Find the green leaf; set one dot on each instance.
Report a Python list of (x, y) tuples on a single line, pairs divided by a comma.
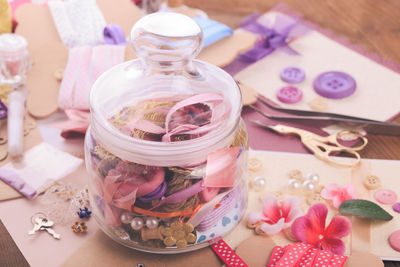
[(364, 208)]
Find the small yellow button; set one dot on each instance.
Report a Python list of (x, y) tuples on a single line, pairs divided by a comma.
[(59, 74), (254, 165), (371, 182), (314, 198)]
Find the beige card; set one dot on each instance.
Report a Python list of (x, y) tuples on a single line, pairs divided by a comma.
[(378, 88)]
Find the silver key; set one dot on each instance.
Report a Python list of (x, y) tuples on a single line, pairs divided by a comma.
[(37, 226), (43, 224)]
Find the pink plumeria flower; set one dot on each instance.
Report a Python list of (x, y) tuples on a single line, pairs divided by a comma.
[(275, 218), (310, 229), (338, 194)]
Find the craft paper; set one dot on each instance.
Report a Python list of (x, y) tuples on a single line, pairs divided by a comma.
[(319, 53), (37, 169)]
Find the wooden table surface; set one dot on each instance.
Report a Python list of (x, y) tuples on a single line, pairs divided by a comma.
[(374, 24)]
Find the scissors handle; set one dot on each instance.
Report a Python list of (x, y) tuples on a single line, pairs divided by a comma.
[(328, 153), (327, 148)]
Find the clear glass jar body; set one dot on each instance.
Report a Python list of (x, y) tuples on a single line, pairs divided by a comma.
[(141, 228), (166, 151)]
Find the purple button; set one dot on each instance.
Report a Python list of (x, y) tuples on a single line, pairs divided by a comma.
[(289, 94), (396, 207), (334, 84), (292, 75)]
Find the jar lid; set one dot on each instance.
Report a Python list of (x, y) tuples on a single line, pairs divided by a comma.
[(165, 99), (12, 44)]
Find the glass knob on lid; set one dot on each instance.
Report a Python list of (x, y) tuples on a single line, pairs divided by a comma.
[(166, 40)]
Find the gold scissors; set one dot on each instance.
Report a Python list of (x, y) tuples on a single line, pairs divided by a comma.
[(324, 147)]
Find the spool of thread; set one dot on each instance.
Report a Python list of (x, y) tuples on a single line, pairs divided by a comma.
[(15, 123), (148, 234)]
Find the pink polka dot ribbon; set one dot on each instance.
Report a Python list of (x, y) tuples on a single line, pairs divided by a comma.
[(225, 253), (300, 254)]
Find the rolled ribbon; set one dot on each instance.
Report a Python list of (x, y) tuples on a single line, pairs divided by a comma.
[(156, 194), (114, 35), (226, 204), (220, 111), (181, 195), (281, 31), (77, 123)]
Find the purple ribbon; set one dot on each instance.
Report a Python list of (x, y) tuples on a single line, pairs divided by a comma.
[(114, 35), (3, 110), (283, 30)]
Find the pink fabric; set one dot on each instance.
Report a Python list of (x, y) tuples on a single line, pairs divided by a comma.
[(85, 65), (77, 123), (221, 168)]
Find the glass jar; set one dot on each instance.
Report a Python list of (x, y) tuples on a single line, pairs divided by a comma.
[(166, 150), (14, 59)]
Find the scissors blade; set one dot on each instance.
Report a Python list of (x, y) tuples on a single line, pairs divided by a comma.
[(373, 127)]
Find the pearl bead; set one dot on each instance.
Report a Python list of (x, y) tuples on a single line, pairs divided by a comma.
[(294, 184), (309, 185), (258, 183), (151, 223), (313, 177), (137, 223), (126, 218)]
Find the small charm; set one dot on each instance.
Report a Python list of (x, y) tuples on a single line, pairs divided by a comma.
[(84, 213), (79, 227), (41, 223)]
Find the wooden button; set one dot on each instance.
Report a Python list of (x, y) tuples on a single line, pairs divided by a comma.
[(318, 104), (59, 74), (254, 164), (296, 174), (372, 182), (314, 198)]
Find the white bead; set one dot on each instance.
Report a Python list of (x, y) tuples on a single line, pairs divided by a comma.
[(137, 223), (258, 183), (294, 184), (309, 185), (313, 177), (151, 223), (126, 218)]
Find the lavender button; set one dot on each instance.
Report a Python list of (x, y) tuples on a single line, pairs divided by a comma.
[(334, 84), (156, 194), (292, 75), (289, 94)]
